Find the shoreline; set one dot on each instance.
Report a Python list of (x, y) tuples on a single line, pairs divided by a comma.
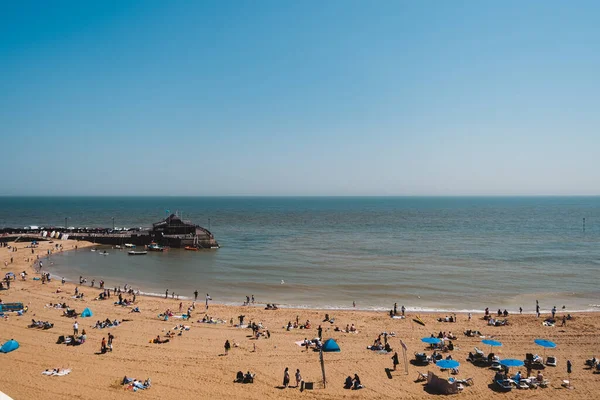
[(377, 309)]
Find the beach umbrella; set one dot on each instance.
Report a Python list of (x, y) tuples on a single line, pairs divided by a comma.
[(546, 344), (431, 340), (447, 364), (491, 343), (9, 346), (330, 346), (511, 362)]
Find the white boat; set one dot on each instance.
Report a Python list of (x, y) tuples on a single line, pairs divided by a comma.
[(103, 253), (137, 253), (117, 247), (130, 246), (93, 250)]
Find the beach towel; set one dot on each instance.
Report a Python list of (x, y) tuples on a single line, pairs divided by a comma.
[(61, 372), (398, 317)]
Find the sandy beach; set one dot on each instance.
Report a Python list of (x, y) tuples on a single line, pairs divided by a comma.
[(193, 365)]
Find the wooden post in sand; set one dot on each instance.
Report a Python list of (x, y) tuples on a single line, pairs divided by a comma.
[(404, 348), (322, 366)]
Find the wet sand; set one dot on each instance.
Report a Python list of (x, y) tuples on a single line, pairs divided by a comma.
[(193, 365)]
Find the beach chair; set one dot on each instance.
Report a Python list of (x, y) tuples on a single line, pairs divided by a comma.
[(551, 361), (523, 384), (422, 359), (421, 377), (466, 382), (504, 385)]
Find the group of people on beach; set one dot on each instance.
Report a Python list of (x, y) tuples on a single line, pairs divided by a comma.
[(286, 378)]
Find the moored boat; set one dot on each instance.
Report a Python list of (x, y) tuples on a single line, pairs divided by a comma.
[(191, 248), (130, 246), (137, 253), (155, 247)]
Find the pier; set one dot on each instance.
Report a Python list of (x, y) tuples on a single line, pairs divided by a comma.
[(170, 232)]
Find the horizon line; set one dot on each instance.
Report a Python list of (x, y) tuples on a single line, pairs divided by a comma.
[(304, 196)]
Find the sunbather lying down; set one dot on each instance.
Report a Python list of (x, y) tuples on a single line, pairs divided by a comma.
[(134, 384), (57, 372), (158, 340)]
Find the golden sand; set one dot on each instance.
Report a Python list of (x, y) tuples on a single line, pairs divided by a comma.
[(192, 366)]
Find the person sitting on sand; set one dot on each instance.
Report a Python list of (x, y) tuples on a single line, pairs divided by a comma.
[(326, 319), (505, 313), (356, 383), (348, 382), (539, 377), (517, 377), (239, 377)]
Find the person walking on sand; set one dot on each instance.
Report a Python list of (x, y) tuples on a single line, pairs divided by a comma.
[(298, 378), (180, 307), (195, 295), (403, 309), (166, 293), (395, 360), (207, 299), (227, 346), (320, 332), (75, 328), (286, 377), (110, 340)]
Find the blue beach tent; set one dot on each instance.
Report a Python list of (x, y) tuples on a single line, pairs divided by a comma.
[(86, 313), (330, 345), (9, 346)]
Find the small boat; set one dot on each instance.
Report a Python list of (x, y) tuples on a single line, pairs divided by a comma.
[(117, 247), (130, 246), (93, 250), (104, 253), (155, 247), (191, 248), (137, 253)]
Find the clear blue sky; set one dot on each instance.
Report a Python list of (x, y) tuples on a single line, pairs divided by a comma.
[(299, 97)]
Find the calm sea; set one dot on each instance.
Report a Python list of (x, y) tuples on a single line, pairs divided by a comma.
[(432, 253)]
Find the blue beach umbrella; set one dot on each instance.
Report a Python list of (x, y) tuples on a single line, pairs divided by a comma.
[(447, 364), (431, 340), (491, 343), (546, 344), (512, 362)]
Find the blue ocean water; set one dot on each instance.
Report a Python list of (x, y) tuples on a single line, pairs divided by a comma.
[(449, 253)]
